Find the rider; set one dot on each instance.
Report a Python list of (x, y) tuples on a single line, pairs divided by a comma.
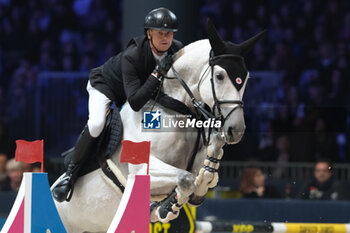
[(134, 75)]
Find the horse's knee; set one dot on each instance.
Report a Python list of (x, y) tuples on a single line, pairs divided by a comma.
[(186, 182)]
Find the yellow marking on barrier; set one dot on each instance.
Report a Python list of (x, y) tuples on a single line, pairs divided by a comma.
[(192, 211), (211, 194), (190, 218), (315, 228), (159, 227), (242, 228)]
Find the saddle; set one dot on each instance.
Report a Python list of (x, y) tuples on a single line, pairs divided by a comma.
[(108, 142)]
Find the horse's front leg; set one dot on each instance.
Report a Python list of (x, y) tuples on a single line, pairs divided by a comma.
[(171, 182), (208, 175)]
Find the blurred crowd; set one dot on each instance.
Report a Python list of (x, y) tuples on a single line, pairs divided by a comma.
[(308, 41), (55, 35), (254, 182), (11, 173), (306, 116), (322, 185)]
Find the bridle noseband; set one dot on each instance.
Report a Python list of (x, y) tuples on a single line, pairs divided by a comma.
[(217, 102)]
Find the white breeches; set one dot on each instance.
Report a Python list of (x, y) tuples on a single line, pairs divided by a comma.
[(98, 109)]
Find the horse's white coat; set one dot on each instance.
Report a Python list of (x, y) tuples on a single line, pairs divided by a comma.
[(95, 202)]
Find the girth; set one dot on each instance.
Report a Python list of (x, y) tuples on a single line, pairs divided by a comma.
[(109, 173)]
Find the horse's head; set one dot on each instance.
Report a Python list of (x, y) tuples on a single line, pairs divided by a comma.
[(228, 77)]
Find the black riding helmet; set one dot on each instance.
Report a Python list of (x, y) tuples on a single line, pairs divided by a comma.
[(161, 19)]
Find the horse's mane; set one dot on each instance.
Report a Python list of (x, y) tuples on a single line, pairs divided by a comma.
[(192, 47), (191, 57)]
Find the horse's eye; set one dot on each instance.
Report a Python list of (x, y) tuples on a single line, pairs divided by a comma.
[(219, 76)]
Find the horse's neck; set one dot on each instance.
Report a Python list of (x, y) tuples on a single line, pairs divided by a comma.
[(190, 66)]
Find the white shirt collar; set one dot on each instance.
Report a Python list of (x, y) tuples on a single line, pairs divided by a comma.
[(157, 57)]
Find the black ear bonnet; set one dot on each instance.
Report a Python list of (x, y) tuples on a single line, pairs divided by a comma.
[(230, 56)]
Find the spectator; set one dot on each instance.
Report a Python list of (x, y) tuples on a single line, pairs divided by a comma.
[(323, 185), (253, 185), (15, 175)]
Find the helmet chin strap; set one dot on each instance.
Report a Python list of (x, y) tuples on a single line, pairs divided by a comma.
[(155, 48)]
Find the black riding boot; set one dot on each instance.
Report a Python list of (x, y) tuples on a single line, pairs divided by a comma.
[(83, 148)]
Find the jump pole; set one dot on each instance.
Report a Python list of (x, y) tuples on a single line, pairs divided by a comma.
[(273, 227)]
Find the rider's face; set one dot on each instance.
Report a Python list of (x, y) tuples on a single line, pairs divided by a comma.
[(161, 39)]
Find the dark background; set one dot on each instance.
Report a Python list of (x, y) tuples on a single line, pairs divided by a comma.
[(296, 110)]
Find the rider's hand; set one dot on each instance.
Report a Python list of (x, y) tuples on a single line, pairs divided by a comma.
[(164, 65)]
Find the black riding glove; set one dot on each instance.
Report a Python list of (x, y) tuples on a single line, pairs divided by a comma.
[(164, 65)]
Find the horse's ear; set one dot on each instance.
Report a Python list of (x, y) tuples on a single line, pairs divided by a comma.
[(247, 45), (215, 40)]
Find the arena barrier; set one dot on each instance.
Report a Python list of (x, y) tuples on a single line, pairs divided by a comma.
[(34, 209), (133, 212), (227, 226)]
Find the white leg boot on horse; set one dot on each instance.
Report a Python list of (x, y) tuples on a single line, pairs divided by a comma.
[(173, 183), (169, 209)]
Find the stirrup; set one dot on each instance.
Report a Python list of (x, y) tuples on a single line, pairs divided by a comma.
[(70, 194), (64, 182)]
